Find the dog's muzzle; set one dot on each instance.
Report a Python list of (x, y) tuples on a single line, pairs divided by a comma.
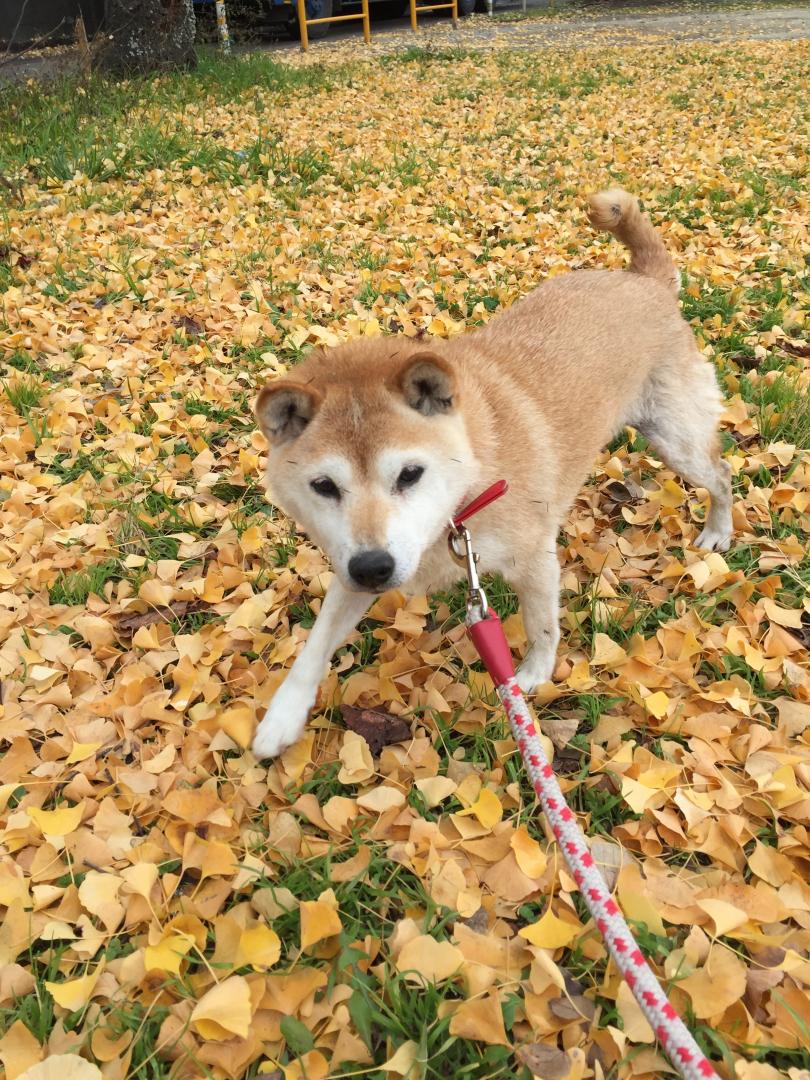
[(371, 570)]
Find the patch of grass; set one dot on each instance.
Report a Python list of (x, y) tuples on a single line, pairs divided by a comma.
[(783, 408), (500, 595), (101, 129), (139, 534), (69, 468), (196, 406), (25, 394), (428, 54), (74, 587), (710, 301), (21, 360)]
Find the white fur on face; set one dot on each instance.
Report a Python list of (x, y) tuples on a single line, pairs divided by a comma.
[(419, 514), (407, 522)]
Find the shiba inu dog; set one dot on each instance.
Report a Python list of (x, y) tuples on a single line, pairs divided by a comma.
[(374, 445)]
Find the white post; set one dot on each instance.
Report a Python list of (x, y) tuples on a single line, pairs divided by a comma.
[(222, 23)]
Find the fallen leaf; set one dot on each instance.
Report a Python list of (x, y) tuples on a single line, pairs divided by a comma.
[(59, 822), (544, 1061), (62, 1067), (319, 919), (74, 994), (432, 961), (481, 1019), (549, 932), (378, 728), (487, 809), (225, 1010)]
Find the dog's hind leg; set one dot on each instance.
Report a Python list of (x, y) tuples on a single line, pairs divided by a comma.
[(538, 589), (680, 420), (285, 720)]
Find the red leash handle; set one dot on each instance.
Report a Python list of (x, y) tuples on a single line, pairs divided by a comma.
[(493, 492), (490, 641)]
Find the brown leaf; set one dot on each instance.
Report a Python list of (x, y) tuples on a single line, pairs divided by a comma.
[(560, 729), (795, 348), (128, 624), (479, 922), (572, 1008), (545, 1061), (191, 326), (747, 361), (377, 728)]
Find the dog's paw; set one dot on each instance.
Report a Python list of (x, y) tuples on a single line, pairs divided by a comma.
[(284, 722), (530, 676), (714, 540)]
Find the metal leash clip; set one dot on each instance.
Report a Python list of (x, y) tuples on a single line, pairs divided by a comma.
[(459, 541)]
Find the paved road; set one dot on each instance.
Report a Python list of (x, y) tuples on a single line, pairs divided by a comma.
[(617, 27)]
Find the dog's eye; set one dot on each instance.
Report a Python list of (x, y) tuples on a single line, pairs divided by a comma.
[(326, 487), (409, 476)]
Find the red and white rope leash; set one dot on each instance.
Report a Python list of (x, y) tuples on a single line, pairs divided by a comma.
[(487, 634)]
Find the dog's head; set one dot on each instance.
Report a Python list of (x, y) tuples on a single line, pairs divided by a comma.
[(368, 449)]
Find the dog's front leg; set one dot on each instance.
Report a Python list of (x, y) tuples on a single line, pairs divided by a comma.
[(285, 720), (538, 590)]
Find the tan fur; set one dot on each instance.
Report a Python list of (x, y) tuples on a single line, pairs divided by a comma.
[(619, 213), (536, 394)]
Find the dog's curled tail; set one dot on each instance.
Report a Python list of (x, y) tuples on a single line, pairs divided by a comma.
[(619, 213)]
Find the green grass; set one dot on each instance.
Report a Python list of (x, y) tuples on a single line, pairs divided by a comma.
[(783, 409), (24, 394), (51, 131), (73, 588)]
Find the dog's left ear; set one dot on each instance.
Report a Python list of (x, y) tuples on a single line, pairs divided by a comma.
[(428, 384), (284, 409)]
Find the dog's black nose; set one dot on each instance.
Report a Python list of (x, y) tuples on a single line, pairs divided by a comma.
[(371, 569)]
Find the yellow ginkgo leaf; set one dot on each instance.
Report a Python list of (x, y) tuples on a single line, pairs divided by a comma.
[(402, 1060), (62, 1067), (487, 809), (727, 917), (529, 855), (657, 704), (549, 932), (98, 894), (169, 953), (480, 1018), (75, 993), (59, 822), (717, 985), (19, 1050), (82, 751), (238, 721), (140, 878), (635, 901), (319, 919), (260, 946), (431, 960), (310, 1066), (224, 1011), (382, 798)]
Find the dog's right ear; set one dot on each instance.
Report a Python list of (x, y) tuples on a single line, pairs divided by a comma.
[(284, 409), (428, 384)]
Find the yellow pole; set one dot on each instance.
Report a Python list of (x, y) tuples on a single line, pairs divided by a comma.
[(454, 12), (413, 15), (366, 23), (302, 24)]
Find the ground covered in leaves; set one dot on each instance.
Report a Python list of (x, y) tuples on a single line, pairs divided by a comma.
[(171, 906)]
